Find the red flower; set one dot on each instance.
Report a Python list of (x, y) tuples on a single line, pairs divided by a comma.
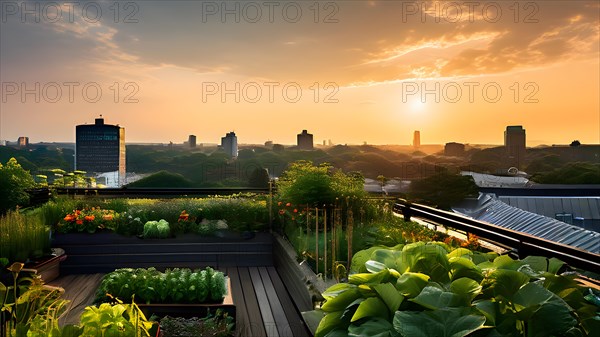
[(89, 218), (281, 212), (79, 222), (288, 204), (295, 210)]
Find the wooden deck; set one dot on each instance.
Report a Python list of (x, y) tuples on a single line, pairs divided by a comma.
[(263, 305)]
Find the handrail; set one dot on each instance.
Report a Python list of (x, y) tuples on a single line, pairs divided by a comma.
[(522, 243), (137, 191)]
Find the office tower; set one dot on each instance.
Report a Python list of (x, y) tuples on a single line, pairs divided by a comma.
[(514, 142), (417, 139), (305, 140), (229, 144), (100, 148), (192, 141)]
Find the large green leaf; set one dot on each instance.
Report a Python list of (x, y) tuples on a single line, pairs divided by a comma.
[(374, 327), (341, 300), (466, 288), (368, 278), (390, 295), (460, 252), (330, 322), (463, 267), (386, 256), (506, 283), (447, 322), (429, 259), (337, 289), (410, 284), (375, 266), (545, 312), (436, 298), (371, 307), (360, 257)]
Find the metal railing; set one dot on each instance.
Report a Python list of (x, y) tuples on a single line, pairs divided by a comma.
[(520, 243)]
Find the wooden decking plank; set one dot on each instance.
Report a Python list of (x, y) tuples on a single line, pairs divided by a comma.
[(294, 318), (255, 323), (263, 303), (283, 325), (80, 290), (242, 320)]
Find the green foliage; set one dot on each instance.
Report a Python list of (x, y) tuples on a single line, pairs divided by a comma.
[(306, 184), (14, 181), (156, 229), (173, 286), (23, 236), (455, 189), (162, 179), (571, 173), (431, 289), (219, 325), (115, 320)]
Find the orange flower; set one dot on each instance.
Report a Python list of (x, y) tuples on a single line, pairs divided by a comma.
[(282, 212), (293, 218), (279, 203), (89, 218), (79, 222), (69, 217), (288, 204), (107, 217)]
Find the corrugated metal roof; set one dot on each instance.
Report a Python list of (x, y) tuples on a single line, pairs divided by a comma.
[(585, 207), (491, 209)]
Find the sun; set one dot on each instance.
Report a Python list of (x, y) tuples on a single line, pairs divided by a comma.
[(417, 105)]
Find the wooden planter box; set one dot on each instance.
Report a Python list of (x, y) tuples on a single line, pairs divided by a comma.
[(49, 268), (191, 310)]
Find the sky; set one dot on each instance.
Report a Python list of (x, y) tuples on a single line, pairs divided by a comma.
[(347, 71)]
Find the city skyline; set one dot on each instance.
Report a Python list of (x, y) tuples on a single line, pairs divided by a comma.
[(379, 67)]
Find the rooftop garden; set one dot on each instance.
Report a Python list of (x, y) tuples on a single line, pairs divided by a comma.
[(387, 276)]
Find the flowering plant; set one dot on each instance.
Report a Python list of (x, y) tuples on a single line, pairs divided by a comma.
[(87, 220)]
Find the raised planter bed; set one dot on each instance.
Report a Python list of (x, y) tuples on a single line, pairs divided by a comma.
[(191, 310), (107, 251)]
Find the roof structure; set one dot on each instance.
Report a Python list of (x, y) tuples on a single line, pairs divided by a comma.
[(490, 209)]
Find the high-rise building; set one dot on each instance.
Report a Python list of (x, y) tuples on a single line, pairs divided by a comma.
[(23, 141), (305, 141), (229, 144), (454, 149), (417, 139), (514, 142), (100, 148), (192, 141)]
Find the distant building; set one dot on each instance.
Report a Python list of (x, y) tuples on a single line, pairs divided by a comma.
[(269, 144), (100, 148), (191, 141), (417, 139), (454, 149), (305, 141), (23, 141), (324, 142), (514, 142), (229, 144)]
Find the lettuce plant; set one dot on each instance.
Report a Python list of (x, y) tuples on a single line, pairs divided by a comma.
[(157, 229), (178, 285)]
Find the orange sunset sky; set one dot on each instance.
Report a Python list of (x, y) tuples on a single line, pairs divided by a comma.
[(456, 71)]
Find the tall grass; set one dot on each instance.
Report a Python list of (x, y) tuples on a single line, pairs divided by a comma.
[(23, 236)]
